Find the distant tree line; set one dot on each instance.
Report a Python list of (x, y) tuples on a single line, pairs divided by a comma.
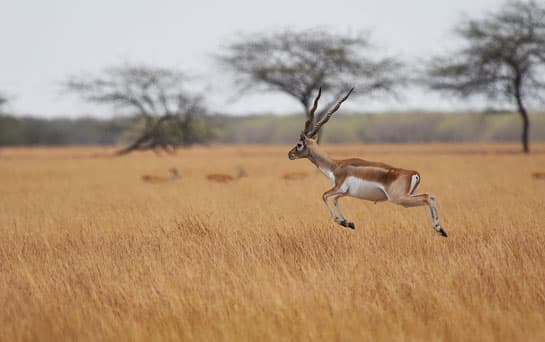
[(272, 129), (20, 131)]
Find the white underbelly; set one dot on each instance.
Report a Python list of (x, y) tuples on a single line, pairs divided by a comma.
[(363, 189)]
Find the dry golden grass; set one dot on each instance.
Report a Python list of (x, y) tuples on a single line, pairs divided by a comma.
[(298, 175), (90, 252)]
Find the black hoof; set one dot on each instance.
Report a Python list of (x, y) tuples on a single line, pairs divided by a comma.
[(442, 232), (347, 224)]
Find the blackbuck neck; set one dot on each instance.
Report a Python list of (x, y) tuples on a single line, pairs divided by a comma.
[(322, 162)]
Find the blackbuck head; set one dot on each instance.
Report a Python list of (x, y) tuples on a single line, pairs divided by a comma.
[(307, 139)]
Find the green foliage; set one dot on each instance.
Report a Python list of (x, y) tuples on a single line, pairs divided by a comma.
[(12, 131), (383, 128), (83, 131)]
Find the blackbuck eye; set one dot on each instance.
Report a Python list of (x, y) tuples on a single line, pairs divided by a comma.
[(299, 146)]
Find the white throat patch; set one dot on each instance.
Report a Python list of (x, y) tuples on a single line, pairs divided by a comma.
[(328, 174)]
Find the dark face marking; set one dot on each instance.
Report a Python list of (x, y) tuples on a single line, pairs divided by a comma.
[(299, 150)]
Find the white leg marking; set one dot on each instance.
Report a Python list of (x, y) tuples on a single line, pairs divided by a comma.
[(336, 202), (415, 179), (331, 211), (433, 213)]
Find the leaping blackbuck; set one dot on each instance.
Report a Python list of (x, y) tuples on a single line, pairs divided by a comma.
[(359, 178)]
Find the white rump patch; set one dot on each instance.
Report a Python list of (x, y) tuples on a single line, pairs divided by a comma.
[(364, 189), (415, 179)]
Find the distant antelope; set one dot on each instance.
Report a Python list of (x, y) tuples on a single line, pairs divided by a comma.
[(225, 178), (538, 175), (359, 178), (294, 175), (174, 174)]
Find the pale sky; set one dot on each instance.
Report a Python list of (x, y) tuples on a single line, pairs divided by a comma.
[(44, 42)]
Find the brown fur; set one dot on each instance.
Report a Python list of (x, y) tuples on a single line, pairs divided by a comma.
[(396, 179)]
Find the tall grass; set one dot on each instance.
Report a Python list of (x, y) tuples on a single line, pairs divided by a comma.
[(90, 252)]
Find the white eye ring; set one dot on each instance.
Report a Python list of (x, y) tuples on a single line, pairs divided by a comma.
[(299, 146)]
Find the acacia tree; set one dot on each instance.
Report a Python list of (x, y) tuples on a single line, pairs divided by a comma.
[(502, 58), (155, 95), (298, 63)]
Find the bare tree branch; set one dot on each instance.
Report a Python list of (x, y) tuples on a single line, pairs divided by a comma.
[(502, 58), (156, 95), (298, 63)]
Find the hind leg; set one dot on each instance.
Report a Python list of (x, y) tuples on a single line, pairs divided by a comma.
[(421, 200), (434, 216)]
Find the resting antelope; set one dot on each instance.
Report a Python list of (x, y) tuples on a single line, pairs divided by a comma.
[(294, 176), (359, 178), (225, 178), (174, 174)]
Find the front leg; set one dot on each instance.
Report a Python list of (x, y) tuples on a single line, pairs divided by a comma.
[(343, 222), (336, 193)]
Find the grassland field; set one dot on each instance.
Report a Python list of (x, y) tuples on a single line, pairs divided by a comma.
[(90, 252)]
